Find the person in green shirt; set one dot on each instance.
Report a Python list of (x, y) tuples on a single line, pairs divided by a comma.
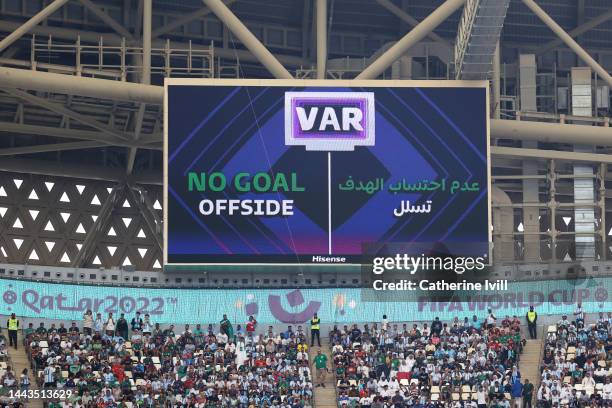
[(320, 362), (395, 362), (41, 329), (28, 330), (340, 370), (226, 327), (527, 394), (74, 368)]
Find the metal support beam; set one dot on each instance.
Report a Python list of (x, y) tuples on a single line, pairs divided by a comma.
[(569, 41), (82, 86), (321, 38), (101, 224), (305, 30), (108, 20), (551, 132), (551, 177), (50, 147), (408, 19), (9, 53), (497, 82), (581, 29), (580, 8), (248, 39), (186, 19), (147, 21), (521, 153), (414, 36), (28, 25), (138, 23), (52, 106), (116, 40), (152, 141), (603, 233), (78, 171), (137, 131), (148, 213), (106, 89)]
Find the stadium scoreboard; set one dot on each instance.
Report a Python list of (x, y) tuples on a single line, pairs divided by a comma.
[(315, 172)]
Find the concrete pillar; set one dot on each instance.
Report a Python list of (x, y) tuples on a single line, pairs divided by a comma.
[(321, 16), (147, 20), (584, 188), (402, 68), (503, 224), (497, 82), (531, 215)]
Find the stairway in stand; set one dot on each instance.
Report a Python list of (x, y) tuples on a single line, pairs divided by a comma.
[(19, 361), (529, 365), (324, 397)]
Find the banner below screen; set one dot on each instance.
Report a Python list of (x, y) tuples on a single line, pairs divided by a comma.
[(69, 302)]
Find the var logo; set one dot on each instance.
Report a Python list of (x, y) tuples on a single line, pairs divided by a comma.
[(329, 121), (327, 118)]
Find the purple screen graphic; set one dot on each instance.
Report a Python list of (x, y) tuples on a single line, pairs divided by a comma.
[(321, 103)]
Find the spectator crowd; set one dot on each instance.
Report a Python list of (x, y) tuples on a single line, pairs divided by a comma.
[(575, 367), (469, 363), (112, 363)]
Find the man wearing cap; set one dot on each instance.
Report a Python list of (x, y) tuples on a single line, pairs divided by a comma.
[(315, 330), (13, 326), (532, 318)]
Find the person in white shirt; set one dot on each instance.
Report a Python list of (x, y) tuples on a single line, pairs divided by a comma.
[(110, 325), (481, 397), (543, 394), (365, 401), (394, 385), (566, 392), (363, 369), (241, 355), (588, 381), (385, 323), (87, 322), (491, 319), (579, 314), (147, 326), (387, 392), (470, 404), (222, 338), (564, 321), (607, 390), (382, 383), (49, 376), (98, 323)]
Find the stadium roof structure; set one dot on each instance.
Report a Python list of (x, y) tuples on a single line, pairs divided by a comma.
[(81, 95)]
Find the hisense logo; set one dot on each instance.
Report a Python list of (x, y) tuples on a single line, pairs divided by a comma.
[(329, 121)]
